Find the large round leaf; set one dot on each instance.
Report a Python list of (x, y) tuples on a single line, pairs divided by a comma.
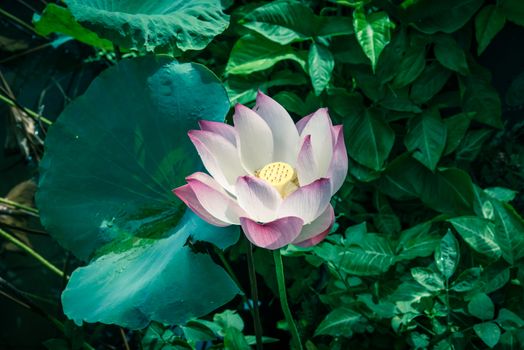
[(111, 161), (151, 25)]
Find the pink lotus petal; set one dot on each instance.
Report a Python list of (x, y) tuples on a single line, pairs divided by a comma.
[(186, 194), (308, 202), (255, 140), (301, 124), (285, 135), (319, 127), (321, 224), (258, 198), (274, 234), (222, 129), (216, 202), (338, 168), (307, 170), (314, 240), (219, 156)]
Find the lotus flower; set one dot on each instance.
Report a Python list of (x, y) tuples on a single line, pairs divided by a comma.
[(270, 176)]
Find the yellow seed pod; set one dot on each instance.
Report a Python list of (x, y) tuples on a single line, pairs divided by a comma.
[(281, 176)]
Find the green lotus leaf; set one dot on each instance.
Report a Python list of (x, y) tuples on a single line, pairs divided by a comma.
[(111, 161), (163, 25)]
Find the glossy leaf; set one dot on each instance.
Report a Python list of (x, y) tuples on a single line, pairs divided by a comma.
[(478, 233), (373, 33), (253, 53), (57, 19), (159, 26), (369, 139), (110, 164), (411, 66), (447, 255), (426, 138), (320, 66), (468, 280), (456, 127), (509, 231), (488, 22), (417, 241), (428, 278)]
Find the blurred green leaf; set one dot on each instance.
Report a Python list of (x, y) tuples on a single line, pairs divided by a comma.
[(488, 22), (513, 10), (411, 66), (57, 19), (340, 322), (252, 53), (417, 241), (450, 54), (515, 93), (481, 307), (320, 66), (160, 26), (456, 127), (426, 138), (480, 97), (373, 33), (489, 332)]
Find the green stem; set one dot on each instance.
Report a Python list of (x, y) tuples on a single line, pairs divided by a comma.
[(18, 20), (279, 270), (254, 295), (30, 250), (32, 114), (18, 205)]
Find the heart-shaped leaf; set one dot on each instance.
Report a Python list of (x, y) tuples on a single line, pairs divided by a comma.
[(111, 161)]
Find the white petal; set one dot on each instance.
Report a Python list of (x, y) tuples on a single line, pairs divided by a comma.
[(308, 202), (223, 129), (319, 127), (319, 225), (307, 170), (255, 140), (258, 198), (219, 156), (285, 134)]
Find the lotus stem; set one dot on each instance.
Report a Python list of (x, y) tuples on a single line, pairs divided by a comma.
[(279, 270), (254, 296)]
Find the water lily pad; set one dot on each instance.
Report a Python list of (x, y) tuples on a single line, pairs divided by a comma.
[(111, 161), (153, 25)]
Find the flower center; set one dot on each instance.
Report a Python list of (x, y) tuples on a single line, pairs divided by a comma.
[(281, 176)]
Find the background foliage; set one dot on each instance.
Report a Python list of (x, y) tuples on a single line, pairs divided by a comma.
[(428, 244)]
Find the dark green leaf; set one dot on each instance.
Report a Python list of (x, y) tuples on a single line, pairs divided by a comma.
[(472, 143), (467, 280), (480, 97), (450, 54), (235, 340), (428, 278), (456, 127), (416, 242), (447, 255), (478, 233), (481, 307), (373, 33), (120, 201), (369, 139), (346, 49), (429, 83), (320, 66), (411, 66), (134, 24), (488, 22), (253, 53), (57, 19), (426, 138), (508, 320), (340, 322), (513, 10), (515, 93), (443, 16), (399, 101), (489, 332)]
